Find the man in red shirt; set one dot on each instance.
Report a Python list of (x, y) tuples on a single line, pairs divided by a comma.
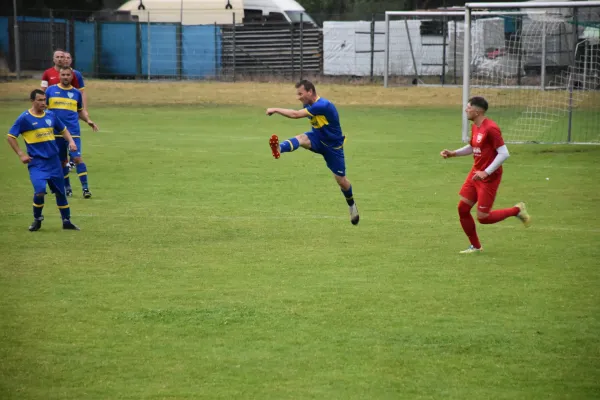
[(481, 185), (52, 75)]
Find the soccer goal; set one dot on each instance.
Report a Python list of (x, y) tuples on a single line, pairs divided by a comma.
[(537, 63)]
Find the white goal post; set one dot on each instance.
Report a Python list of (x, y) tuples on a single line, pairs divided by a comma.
[(537, 63)]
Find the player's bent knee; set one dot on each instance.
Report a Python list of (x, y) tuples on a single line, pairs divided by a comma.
[(40, 194), (482, 217), (77, 160), (464, 208)]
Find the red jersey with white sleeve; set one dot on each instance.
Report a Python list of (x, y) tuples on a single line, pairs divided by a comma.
[(485, 139), (52, 77)]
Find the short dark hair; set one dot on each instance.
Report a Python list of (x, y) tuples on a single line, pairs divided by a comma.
[(308, 86), (35, 92), (480, 102)]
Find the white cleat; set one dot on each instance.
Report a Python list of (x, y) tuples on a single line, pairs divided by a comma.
[(472, 249), (523, 214), (354, 217)]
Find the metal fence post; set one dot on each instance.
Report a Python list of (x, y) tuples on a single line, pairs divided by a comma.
[(292, 47), (16, 41), (98, 48), (444, 43), (301, 47), (138, 50), (216, 53), (179, 46), (52, 43), (372, 44), (233, 47)]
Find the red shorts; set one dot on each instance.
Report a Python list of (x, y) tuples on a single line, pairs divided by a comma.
[(481, 192)]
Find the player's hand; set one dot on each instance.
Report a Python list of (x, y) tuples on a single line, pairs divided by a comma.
[(72, 146), (93, 125), (270, 111), (480, 175), (25, 159), (446, 153)]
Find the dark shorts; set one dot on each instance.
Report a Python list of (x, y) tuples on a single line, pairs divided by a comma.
[(63, 148), (44, 172), (334, 157)]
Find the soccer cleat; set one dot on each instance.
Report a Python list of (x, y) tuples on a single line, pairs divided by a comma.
[(354, 217), (523, 215), (69, 192), (71, 165), (472, 249), (67, 224), (274, 143), (36, 224), (87, 194)]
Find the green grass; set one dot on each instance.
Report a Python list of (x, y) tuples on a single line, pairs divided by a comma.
[(206, 269)]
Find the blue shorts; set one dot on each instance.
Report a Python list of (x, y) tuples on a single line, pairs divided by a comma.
[(63, 148), (46, 171), (333, 157)]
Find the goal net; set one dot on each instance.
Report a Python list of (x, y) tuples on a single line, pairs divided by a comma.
[(539, 68)]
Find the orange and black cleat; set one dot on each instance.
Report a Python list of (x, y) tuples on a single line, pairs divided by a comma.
[(274, 143)]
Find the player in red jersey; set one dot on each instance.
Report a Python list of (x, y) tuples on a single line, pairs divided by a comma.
[(52, 75), (481, 185)]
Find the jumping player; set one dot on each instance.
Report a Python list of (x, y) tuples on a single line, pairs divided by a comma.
[(326, 137)]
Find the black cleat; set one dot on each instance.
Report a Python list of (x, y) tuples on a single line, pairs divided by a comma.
[(67, 224), (87, 194), (36, 224), (69, 192)]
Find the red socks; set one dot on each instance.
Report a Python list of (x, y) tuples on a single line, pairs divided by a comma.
[(468, 223), (499, 215)]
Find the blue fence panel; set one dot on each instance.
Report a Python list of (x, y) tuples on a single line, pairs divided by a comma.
[(159, 50), (201, 51), (4, 35), (85, 46), (119, 53)]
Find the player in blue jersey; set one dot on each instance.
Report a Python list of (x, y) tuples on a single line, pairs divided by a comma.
[(38, 128), (77, 77), (326, 137), (66, 102)]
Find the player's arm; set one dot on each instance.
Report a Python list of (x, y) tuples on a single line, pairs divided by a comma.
[(61, 129), (12, 141), (13, 134), (82, 89), (293, 114), (83, 115), (463, 151), (44, 84), (501, 156)]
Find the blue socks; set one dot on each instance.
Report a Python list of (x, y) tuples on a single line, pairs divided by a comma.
[(66, 174), (38, 206), (348, 196), (63, 206), (82, 173), (289, 145)]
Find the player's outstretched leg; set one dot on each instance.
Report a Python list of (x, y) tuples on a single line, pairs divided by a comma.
[(274, 143), (38, 206), (498, 215), (468, 225)]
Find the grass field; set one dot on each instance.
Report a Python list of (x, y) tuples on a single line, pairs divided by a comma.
[(205, 269)]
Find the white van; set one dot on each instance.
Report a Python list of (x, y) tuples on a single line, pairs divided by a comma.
[(205, 12)]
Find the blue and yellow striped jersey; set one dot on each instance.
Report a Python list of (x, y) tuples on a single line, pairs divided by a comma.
[(38, 132), (325, 121), (66, 102)]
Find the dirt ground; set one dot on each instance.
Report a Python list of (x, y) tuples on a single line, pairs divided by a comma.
[(117, 93)]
